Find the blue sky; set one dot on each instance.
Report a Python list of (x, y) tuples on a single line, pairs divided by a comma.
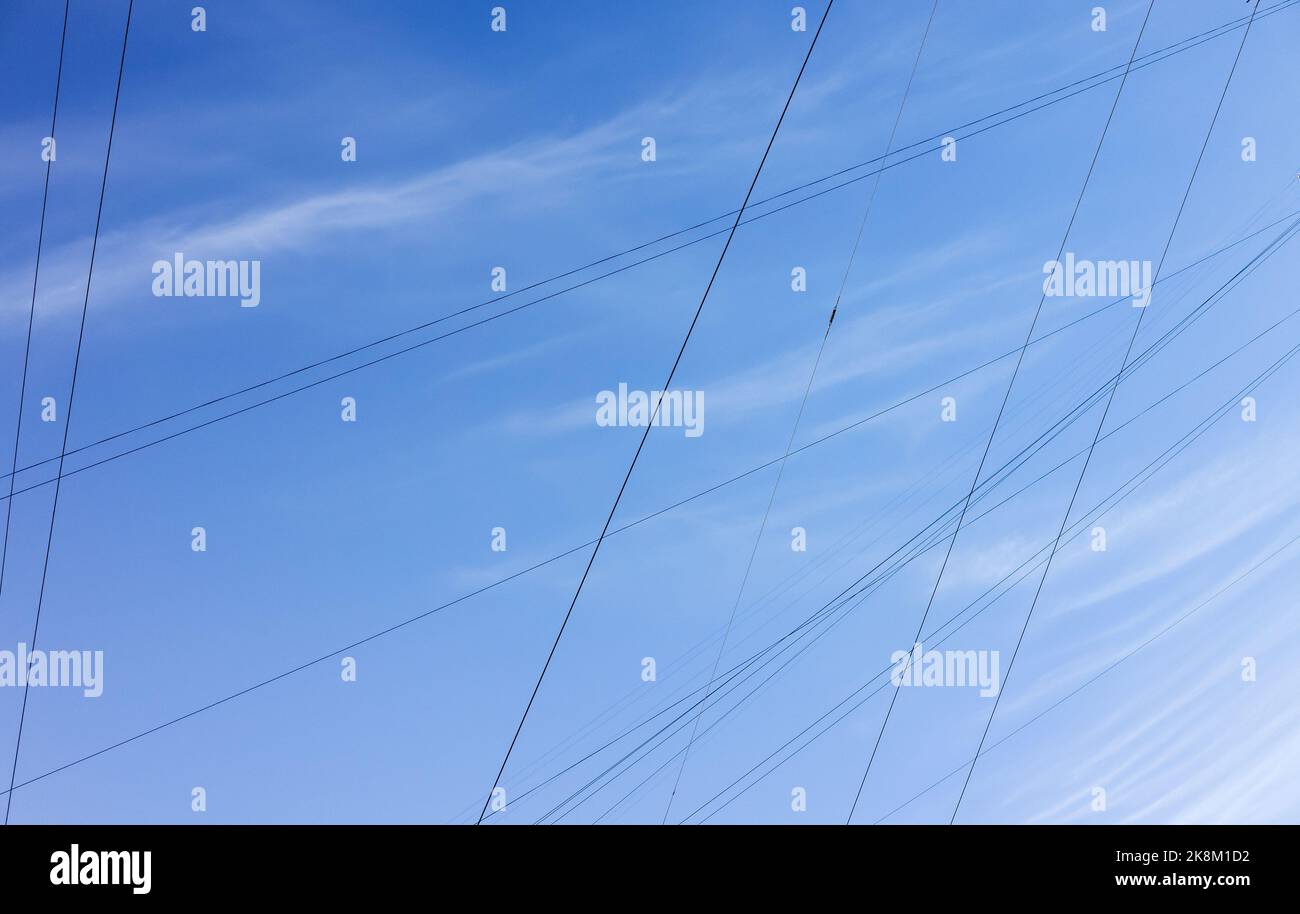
[(522, 149)]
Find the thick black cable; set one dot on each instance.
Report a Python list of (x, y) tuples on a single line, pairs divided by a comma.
[(803, 403), (31, 313), (667, 385)]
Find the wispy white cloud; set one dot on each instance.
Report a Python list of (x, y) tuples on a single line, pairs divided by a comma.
[(309, 222)]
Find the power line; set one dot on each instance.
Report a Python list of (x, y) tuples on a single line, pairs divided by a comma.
[(1078, 87), (1150, 469), (1007, 396), (807, 568), (803, 403), (857, 597), (31, 313), (645, 518), (860, 595), (72, 391), (1168, 455), (667, 385), (850, 427), (1106, 411), (1175, 448), (65, 452)]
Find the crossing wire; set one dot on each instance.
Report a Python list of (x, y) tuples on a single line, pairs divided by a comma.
[(1106, 411), (803, 404), (1005, 397), (667, 385), (1073, 89), (67, 421), (31, 313)]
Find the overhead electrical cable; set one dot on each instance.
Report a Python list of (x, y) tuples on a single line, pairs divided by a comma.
[(667, 385), (1076, 88), (67, 418), (1137, 325), (803, 403), (31, 313), (1015, 372)]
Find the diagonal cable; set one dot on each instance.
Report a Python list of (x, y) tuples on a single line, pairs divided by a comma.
[(1007, 396), (803, 403), (31, 313), (67, 422), (1102, 421), (667, 385)]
